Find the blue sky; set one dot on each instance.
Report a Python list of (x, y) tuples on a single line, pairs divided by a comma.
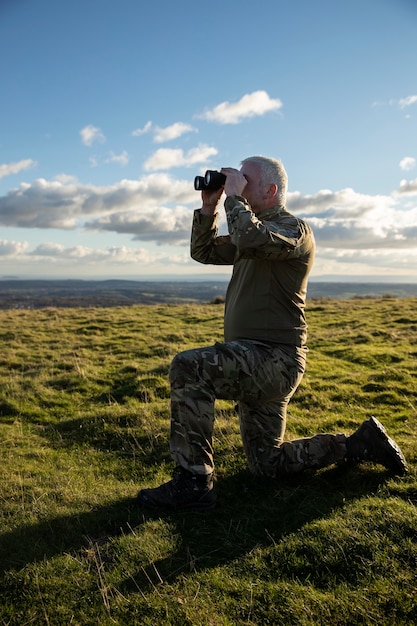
[(109, 109)]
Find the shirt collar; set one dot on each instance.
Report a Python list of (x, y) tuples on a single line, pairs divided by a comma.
[(270, 213)]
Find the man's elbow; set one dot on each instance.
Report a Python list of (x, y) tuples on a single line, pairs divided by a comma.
[(197, 255)]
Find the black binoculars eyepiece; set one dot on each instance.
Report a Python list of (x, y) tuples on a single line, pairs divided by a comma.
[(211, 180)]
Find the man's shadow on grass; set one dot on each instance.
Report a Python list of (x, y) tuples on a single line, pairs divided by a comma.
[(250, 512), (253, 512)]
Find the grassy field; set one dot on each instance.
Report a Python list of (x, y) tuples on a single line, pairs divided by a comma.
[(84, 420)]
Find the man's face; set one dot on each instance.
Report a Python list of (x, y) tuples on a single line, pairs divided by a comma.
[(254, 192)]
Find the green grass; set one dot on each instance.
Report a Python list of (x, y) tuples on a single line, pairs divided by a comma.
[(84, 422)]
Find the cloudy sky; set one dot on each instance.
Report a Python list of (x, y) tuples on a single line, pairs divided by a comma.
[(110, 108)]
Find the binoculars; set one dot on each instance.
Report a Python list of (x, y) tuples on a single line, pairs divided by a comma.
[(211, 180)]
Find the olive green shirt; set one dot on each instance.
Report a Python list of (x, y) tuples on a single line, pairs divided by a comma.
[(272, 254)]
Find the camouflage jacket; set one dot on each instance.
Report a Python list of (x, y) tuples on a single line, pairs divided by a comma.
[(272, 254)]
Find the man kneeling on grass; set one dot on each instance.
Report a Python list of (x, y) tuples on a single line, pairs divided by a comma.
[(262, 359)]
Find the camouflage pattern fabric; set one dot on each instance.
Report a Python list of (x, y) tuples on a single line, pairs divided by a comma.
[(262, 379)]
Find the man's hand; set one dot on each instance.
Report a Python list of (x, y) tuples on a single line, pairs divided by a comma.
[(235, 181), (210, 200), (234, 186)]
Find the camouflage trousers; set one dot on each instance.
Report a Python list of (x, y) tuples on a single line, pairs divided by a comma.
[(261, 379)]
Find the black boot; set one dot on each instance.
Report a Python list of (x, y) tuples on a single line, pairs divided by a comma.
[(371, 443), (185, 490)]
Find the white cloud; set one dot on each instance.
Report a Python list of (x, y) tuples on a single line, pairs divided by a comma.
[(346, 202), (158, 209), (123, 254), (6, 169), (348, 220), (167, 158), (122, 159), (142, 131), (250, 105), (53, 258), (408, 101), (384, 263), (91, 134), (66, 204), (65, 178), (166, 225), (172, 132), (407, 163), (48, 255), (402, 103), (12, 248), (408, 187)]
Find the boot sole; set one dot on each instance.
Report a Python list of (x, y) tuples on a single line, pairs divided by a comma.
[(390, 446)]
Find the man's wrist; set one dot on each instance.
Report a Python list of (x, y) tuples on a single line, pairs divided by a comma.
[(208, 209)]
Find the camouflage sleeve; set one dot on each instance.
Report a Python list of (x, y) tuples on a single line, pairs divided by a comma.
[(279, 239), (206, 245)]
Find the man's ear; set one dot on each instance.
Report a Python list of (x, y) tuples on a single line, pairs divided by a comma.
[(272, 190)]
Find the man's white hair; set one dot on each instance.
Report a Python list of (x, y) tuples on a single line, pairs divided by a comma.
[(272, 172)]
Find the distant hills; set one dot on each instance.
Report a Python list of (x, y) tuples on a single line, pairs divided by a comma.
[(35, 294)]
